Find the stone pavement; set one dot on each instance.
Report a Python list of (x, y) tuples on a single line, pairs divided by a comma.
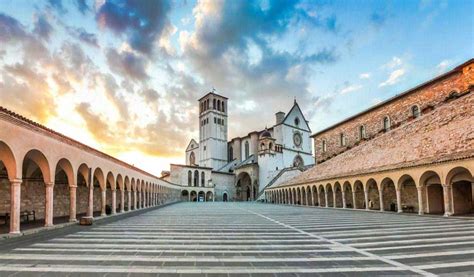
[(248, 239)]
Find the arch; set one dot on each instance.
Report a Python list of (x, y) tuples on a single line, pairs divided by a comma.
[(362, 132), (408, 194), (298, 161), (433, 196), (223, 107), (315, 195), (346, 186), (196, 178), (190, 178), (322, 198), (386, 123), (33, 161), (209, 196), (63, 182), (225, 197), (82, 190), (99, 177), (9, 161), (330, 195), (303, 196), (298, 196), (247, 150), (201, 196), (338, 195), (359, 198), (309, 197), (214, 104), (185, 195), (193, 196), (373, 194), (461, 181), (415, 111), (244, 187), (389, 192)]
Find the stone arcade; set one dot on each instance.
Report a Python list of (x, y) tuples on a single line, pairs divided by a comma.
[(411, 153)]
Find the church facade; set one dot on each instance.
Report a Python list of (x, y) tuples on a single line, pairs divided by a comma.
[(238, 169)]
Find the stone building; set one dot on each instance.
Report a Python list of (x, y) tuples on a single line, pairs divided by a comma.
[(240, 168), (411, 153)]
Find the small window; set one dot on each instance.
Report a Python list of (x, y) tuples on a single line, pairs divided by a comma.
[(342, 139), (297, 121), (270, 146), (386, 123), (214, 104), (215, 120), (262, 146), (247, 150), (223, 109), (190, 178), (362, 133), (415, 111), (218, 105), (323, 145)]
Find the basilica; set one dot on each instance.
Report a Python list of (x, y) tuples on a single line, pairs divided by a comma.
[(240, 168)]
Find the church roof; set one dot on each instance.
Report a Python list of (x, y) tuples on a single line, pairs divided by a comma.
[(212, 93)]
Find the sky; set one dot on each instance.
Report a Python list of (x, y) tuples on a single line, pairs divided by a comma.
[(124, 76)]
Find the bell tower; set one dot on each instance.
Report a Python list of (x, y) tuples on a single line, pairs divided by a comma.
[(213, 130)]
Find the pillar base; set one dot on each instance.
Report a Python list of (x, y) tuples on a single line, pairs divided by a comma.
[(447, 214), (48, 225), (72, 220), (15, 233), (399, 211), (104, 214)]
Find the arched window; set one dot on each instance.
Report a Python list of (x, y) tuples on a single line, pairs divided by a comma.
[(203, 179), (342, 139), (190, 177), (214, 104), (270, 146), (207, 104), (192, 159), (298, 161), (196, 178), (247, 150), (223, 108), (362, 133), (297, 121), (415, 111), (386, 123), (323, 145), (231, 154), (218, 105), (262, 146)]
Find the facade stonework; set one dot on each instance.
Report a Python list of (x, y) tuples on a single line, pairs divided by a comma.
[(423, 164)]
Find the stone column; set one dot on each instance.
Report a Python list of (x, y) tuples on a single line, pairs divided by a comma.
[(139, 205), (189, 196), (381, 199), (130, 201), (103, 202), (344, 205), (122, 200), (448, 205), (135, 200), (366, 198), (72, 203), (326, 197), (48, 210), (90, 207), (114, 201), (15, 205), (420, 200), (334, 198), (354, 198), (399, 200)]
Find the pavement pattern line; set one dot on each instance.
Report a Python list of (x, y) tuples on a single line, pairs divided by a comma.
[(363, 252)]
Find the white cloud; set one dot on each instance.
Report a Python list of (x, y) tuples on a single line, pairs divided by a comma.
[(443, 65), (350, 88), (393, 78), (394, 62), (364, 75)]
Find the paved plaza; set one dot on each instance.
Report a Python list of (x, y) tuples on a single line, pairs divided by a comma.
[(247, 239)]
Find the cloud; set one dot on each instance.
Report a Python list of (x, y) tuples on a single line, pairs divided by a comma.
[(42, 27), (57, 5), (84, 36), (82, 6), (443, 66), (350, 88), (394, 62), (127, 64), (393, 78), (141, 22), (364, 76)]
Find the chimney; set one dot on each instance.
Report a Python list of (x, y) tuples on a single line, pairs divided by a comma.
[(279, 117)]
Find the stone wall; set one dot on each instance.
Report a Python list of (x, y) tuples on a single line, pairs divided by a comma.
[(399, 111)]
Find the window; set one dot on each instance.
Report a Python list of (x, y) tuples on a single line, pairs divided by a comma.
[(214, 104), (247, 150), (297, 121), (298, 161), (270, 146), (190, 177), (196, 178), (415, 111), (203, 179), (215, 120), (262, 146), (386, 123), (342, 139), (362, 133), (323, 145), (218, 105), (222, 108), (231, 154)]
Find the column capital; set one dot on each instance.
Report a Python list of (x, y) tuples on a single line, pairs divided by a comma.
[(16, 182), (71, 187), (49, 184)]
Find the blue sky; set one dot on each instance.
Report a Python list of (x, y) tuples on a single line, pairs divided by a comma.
[(124, 76)]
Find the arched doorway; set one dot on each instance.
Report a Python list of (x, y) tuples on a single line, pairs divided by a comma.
[(193, 196), (389, 195), (322, 196), (185, 196), (338, 193), (62, 207), (209, 196), (330, 195), (224, 197), (373, 193), (359, 198), (408, 194), (433, 197), (348, 195), (244, 187), (315, 196), (201, 196), (461, 182)]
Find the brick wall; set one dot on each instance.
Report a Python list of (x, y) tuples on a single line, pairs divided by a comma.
[(399, 111)]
